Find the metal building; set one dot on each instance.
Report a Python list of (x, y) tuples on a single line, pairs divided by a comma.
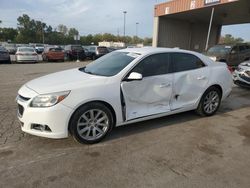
[(196, 24)]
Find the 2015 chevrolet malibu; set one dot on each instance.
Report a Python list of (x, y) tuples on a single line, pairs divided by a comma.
[(123, 87)]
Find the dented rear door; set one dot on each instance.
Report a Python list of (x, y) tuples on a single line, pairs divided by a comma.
[(190, 80)]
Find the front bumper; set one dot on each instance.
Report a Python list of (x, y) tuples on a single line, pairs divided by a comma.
[(240, 79), (56, 118)]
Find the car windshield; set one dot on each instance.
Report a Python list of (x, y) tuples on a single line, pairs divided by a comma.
[(26, 50), (111, 64), (220, 50), (2, 49), (102, 49)]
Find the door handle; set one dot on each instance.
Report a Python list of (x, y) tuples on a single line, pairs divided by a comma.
[(165, 85), (201, 78)]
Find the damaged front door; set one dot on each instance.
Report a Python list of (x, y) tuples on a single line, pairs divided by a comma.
[(151, 95), (190, 80)]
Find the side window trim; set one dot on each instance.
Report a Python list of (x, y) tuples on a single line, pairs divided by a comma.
[(168, 71), (172, 64)]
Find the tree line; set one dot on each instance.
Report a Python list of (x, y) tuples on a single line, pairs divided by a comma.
[(35, 31)]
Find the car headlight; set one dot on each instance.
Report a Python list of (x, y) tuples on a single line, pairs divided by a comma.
[(239, 69), (48, 100)]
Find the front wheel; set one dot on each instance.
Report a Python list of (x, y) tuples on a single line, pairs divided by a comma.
[(91, 123), (210, 102)]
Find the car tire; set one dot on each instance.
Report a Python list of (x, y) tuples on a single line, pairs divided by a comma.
[(210, 102), (91, 123), (9, 61), (68, 57)]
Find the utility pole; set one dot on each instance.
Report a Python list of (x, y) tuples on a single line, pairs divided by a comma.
[(118, 32), (136, 29), (124, 32), (42, 30)]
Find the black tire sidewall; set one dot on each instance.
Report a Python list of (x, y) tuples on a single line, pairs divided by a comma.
[(82, 110), (203, 99)]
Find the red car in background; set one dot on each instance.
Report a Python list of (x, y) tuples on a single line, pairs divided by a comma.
[(53, 54)]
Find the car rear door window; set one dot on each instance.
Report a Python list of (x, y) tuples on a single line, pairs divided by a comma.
[(157, 64), (185, 62)]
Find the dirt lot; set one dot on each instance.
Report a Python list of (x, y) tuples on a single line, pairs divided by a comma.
[(182, 150)]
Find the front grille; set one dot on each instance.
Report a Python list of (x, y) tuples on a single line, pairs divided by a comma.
[(245, 77), (23, 98), (20, 110)]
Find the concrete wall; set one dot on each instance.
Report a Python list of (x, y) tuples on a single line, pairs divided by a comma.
[(184, 34)]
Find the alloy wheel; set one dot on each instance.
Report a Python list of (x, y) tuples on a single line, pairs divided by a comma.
[(93, 124), (211, 102)]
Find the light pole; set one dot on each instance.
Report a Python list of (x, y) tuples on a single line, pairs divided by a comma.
[(42, 30), (136, 29), (124, 27)]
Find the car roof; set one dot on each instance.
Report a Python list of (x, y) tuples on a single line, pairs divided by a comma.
[(26, 47), (150, 50)]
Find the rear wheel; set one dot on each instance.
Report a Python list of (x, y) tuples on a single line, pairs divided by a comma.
[(210, 102), (91, 123)]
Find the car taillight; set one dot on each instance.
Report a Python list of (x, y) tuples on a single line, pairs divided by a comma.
[(34, 54), (230, 69), (19, 54)]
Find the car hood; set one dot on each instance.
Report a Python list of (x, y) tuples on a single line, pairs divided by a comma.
[(245, 65), (215, 54), (64, 81)]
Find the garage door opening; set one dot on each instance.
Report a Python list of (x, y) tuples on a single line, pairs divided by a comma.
[(196, 24)]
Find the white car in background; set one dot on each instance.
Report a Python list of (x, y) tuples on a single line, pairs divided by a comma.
[(241, 75), (123, 87), (26, 54)]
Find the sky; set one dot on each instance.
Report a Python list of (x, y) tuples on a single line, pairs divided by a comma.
[(95, 16)]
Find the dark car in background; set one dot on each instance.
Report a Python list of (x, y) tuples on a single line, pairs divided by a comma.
[(53, 53), (233, 55), (4, 55), (11, 48), (241, 75), (87, 52), (98, 51), (74, 52)]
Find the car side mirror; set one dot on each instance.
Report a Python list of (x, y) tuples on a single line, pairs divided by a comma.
[(134, 76)]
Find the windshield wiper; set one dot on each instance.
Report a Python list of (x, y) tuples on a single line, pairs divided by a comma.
[(85, 71)]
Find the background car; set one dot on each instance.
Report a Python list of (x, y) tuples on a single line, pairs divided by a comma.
[(38, 47), (52, 53), (87, 52), (26, 54), (11, 48), (74, 52), (98, 51), (4, 55), (241, 75), (111, 49), (233, 55), (125, 86)]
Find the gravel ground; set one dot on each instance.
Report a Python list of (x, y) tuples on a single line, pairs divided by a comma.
[(182, 150)]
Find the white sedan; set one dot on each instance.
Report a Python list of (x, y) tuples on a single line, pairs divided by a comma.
[(26, 54), (123, 87)]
